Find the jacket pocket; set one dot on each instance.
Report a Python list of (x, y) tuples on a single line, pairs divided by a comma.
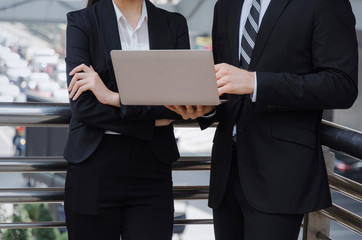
[(294, 135)]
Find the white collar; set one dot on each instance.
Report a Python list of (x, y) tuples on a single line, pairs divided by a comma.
[(144, 15)]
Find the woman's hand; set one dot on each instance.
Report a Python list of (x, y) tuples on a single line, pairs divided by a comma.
[(163, 122), (192, 112), (84, 79)]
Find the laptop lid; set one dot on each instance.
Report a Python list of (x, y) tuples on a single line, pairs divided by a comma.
[(165, 77)]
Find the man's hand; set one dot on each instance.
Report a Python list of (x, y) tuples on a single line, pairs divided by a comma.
[(192, 112), (234, 80)]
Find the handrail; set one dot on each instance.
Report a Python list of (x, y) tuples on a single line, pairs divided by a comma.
[(35, 114), (333, 135), (56, 195), (58, 224), (342, 139), (321, 236), (344, 217), (58, 164), (346, 186)]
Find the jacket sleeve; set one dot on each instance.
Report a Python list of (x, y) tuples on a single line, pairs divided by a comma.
[(87, 109), (159, 112), (333, 83), (205, 122)]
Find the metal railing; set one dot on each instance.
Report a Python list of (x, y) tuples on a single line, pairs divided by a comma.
[(334, 136)]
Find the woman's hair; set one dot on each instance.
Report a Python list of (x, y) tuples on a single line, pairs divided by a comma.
[(91, 2)]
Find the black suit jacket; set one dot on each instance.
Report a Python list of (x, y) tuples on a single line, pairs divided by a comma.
[(91, 34), (305, 57)]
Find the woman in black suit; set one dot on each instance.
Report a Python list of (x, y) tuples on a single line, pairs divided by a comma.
[(119, 177)]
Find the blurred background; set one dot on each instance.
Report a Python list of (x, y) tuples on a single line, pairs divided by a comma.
[(32, 69)]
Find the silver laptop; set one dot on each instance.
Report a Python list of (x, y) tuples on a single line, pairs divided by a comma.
[(165, 77)]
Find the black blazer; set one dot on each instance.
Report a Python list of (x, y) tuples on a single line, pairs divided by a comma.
[(91, 34), (305, 57)]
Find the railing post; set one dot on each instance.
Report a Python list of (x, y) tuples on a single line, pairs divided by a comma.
[(315, 222)]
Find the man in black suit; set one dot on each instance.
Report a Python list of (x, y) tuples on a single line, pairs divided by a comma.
[(279, 63)]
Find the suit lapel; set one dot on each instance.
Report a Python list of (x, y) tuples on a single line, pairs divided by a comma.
[(271, 16), (234, 27), (158, 32)]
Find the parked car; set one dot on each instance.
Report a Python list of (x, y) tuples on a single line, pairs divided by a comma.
[(4, 80), (60, 74), (16, 70), (35, 78), (42, 59), (8, 91), (347, 166)]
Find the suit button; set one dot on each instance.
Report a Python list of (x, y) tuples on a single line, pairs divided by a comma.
[(240, 128)]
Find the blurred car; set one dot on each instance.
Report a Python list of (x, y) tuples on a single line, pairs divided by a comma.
[(8, 59), (9, 55), (60, 74), (4, 51), (8, 91), (42, 59), (37, 52), (43, 63), (47, 88), (4, 80), (16, 69), (14, 63), (61, 95), (18, 75), (35, 78), (348, 167)]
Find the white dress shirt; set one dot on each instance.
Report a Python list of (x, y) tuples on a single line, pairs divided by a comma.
[(132, 39), (245, 10), (244, 15)]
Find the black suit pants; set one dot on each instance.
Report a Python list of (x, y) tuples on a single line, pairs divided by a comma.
[(236, 219), (122, 190)]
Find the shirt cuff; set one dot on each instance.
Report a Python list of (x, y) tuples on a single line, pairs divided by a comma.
[(209, 115), (253, 95)]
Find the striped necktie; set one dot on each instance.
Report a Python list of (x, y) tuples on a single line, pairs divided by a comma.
[(248, 41), (249, 35)]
